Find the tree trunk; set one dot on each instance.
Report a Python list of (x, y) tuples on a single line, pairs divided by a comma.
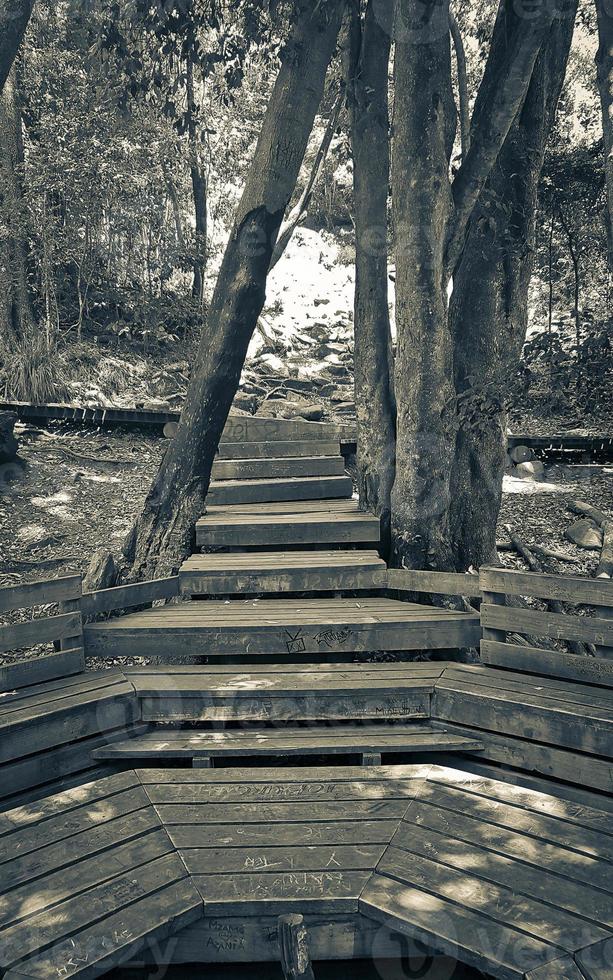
[(489, 307), (199, 185), (14, 18), (604, 66), (16, 316), (163, 533), (369, 49), (463, 99), (424, 125), (299, 212)]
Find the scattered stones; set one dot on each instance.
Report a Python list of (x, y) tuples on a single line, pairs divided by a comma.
[(584, 534)]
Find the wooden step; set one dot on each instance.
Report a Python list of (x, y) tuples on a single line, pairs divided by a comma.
[(289, 488), (278, 449), (277, 468), (282, 627), (364, 740), (228, 529), (278, 571), (250, 428), (310, 692)]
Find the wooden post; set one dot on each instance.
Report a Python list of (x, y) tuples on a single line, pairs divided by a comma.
[(294, 948), (371, 758)]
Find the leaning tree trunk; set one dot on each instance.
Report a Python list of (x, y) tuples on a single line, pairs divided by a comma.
[(16, 317), (198, 179), (14, 18), (163, 533), (489, 307), (604, 65), (369, 50), (424, 125)]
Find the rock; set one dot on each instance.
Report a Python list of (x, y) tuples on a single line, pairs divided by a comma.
[(585, 534), (101, 572), (273, 363), (245, 402), (171, 429), (313, 412), (320, 302), (521, 454), (278, 408), (530, 471), (8, 442)]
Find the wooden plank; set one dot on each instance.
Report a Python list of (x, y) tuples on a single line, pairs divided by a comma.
[(283, 835), (40, 593), (247, 428), (234, 860), (502, 903), (277, 449), (523, 717), (64, 853), (287, 466), (525, 879), (87, 794), (574, 589), (261, 743), (553, 663), (48, 927), (554, 857), (563, 969), (196, 581), (16, 636), (548, 760), (285, 812), (118, 937), (291, 488), (437, 583), (41, 669), (124, 596), (21, 903), (444, 926), (314, 891), (554, 625), (546, 689), (288, 529), (293, 792), (596, 960)]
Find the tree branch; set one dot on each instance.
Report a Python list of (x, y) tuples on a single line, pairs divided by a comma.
[(516, 42), (463, 100)]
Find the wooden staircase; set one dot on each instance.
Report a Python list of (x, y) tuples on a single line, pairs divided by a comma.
[(288, 586)]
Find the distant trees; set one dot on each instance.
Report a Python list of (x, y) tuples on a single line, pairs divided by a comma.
[(604, 65)]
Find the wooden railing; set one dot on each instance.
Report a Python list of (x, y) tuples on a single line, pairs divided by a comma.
[(433, 583), (66, 627), (577, 627)]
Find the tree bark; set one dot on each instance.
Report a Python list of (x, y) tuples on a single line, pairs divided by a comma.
[(604, 67), (369, 49), (198, 178), (14, 18), (16, 316), (489, 307), (163, 533), (299, 212), (463, 99), (421, 201)]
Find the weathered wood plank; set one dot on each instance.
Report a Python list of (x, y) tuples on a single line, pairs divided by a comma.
[(553, 663), (234, 860), (40, 669), (437, 583), (271, 468), (40, 593), (16, 636), (291, 488), (278, 449), (314, 891), (124, 596), (554, 625), (284, 835), (573, 589), (286, 529)]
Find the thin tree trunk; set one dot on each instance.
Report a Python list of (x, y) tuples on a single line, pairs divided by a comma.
[(463, 100), (16, 315), (176, 210), (604, 67), (489, 307), (574, 258), (376, 411), (163, 533), (14, 18), (199, 183), (299, 212), (424, 124)]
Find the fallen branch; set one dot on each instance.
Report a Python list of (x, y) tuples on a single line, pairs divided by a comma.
[(586, 510), (557, 555), (605, 565)]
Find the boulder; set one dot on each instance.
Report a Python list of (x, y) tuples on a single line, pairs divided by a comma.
[(585, 534), (313, 412), (8, 442), (530, 471), (521, 454)]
